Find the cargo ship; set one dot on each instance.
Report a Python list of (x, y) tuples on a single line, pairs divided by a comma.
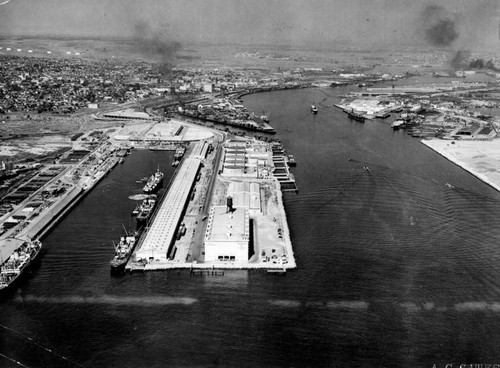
[(23, 255), (145, 209), (153, 182), (356, 116), (123, 251)]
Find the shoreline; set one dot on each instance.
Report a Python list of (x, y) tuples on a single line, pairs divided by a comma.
[(479, 158)]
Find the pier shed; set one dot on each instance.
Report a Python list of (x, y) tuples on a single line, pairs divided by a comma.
[(161, 235)]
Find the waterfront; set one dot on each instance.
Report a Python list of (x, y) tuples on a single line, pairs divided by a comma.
[(395, 268)]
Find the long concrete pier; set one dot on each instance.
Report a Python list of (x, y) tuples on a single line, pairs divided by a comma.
[(250, 233), (41, 220), (161, 235)]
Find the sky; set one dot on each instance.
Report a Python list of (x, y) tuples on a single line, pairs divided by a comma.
[(369, 22)]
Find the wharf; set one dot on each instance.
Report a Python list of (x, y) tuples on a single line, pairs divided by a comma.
[(258, 199), (282, 172), (52, 215), (165, 266), (379, 113), (157, 242), (36, 220)]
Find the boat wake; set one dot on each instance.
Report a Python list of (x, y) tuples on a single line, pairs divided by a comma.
[(141, 197), (471, 306), (150, 301), (344, 304)]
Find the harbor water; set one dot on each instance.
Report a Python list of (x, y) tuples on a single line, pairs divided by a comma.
[(397, 254)]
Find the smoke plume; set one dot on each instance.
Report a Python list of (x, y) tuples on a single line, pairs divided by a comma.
[(460, 59), (156, 45), (481, 64), (439, 26)]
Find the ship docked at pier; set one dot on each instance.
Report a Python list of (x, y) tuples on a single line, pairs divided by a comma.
[(144, 210), (23, 255), (179, 152), (356, 116), (123, 251), (154, 182)]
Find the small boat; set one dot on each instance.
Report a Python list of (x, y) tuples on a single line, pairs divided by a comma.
[(136, 210), (291, 161), (396, 124), (314, 109)]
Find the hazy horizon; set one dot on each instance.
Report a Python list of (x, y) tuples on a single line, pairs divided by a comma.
[(448, 24)]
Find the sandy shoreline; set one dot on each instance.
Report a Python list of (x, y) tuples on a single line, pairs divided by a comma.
[(480, 158)]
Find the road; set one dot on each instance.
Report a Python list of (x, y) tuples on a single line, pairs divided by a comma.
[(198, 237)]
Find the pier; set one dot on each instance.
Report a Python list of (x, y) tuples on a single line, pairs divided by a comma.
[(282, 171), (207, 219), (160, 236), (40, 211)]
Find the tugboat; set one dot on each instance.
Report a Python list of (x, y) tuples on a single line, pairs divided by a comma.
[(314, 109), (123, 251), (24, 254), (154, 182)]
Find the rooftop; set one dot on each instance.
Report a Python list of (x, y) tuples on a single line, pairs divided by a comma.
[(227, 226), (162, 231)]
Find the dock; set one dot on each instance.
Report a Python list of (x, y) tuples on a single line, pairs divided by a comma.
[(39, 212), (206, 221), (157, 243), (282, 169)]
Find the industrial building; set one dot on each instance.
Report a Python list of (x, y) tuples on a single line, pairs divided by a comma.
[(227, 234), (245, 194), (128, 114), (242, 159)]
